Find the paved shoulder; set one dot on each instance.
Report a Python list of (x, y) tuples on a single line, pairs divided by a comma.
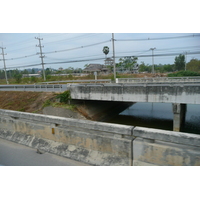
[(13, 154)]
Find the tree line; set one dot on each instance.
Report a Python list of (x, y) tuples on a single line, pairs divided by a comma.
[(124, 65)]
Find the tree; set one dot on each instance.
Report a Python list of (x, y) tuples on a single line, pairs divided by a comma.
[(144, 68), (33, 71), (25, 72), (47, 71), (127, 63), (18, 78), (168, 68), (105, 50), (179, 62), (194, 65)]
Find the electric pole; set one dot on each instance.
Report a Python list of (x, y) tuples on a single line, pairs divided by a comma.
[(185, 58), (114, 57), (41, 55), (4, 64), (152, 59)]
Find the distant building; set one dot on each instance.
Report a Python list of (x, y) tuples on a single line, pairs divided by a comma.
[(109, 62), (91, 68)]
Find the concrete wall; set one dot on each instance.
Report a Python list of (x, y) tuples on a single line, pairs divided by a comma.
[(100, 143), (138, 92), (83, 140)]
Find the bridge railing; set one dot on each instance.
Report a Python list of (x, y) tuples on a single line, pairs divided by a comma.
[(158, 79), (79, 81), (57, 87)]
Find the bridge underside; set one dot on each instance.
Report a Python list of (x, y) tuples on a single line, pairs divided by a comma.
[(104, 110), (100, 110)]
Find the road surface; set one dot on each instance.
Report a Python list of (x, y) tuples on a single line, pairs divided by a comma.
[(13, 154)]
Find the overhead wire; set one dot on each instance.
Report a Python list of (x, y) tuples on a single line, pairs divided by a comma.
[(77, 47), (163, 38), (101, 58), (71, 39), (21, 57), (136, 55)]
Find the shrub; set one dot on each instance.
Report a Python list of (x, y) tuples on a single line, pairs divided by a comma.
[(64, 97), (183, 73), (18, 78), (33, 79)]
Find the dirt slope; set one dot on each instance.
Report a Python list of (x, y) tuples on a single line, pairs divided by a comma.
[(24, 101)]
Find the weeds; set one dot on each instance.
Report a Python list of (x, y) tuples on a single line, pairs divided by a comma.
[(64, 97)]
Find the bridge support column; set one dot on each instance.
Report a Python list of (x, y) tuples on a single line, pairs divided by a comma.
[(179, 111)]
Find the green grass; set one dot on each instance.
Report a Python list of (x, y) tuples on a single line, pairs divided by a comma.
[(183, 73)]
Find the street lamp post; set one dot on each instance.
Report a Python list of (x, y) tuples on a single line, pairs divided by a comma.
[(152, 59), (114, 57)]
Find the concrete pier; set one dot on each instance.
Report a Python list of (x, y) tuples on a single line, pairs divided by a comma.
[(179, 111)]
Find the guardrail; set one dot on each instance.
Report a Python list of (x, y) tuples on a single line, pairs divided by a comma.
[(158, 79), (80, 81), (48, 88)]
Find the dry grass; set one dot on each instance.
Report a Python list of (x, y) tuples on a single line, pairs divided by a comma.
[(24, 101)]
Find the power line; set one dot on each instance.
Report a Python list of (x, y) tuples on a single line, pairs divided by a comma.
[(25, 66), (78, 47), (157, 55), (140, 52), (163, 38), (21, 57), (102, 58), (73, 38)]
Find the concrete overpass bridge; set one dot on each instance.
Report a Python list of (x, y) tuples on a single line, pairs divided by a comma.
[(138, 92), (179, 92)]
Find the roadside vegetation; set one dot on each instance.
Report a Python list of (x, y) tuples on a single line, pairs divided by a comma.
[(61, 100), (183, 73), (34, 101), (124, 69)]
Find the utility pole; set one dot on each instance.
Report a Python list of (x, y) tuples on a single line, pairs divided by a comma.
[(152, 59), (4, 64), (185, 58), (114, 57), (41, 56)]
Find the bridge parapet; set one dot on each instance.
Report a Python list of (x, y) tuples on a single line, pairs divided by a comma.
[(100, 143), (190, 79), (138, 92)]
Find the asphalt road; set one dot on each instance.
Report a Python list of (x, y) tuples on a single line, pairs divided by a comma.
[(13, 154)]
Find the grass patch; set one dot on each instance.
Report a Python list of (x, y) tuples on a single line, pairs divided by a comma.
[(47, 103), (63, 105), (184, 73), (22, 110)]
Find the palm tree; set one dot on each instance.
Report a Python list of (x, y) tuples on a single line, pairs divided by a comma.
[(105, 50)]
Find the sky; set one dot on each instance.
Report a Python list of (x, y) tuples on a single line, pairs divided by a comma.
[(77, 49)]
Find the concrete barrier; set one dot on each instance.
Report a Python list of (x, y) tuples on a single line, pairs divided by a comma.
[(100, 143), (83, 140), (166, 148)]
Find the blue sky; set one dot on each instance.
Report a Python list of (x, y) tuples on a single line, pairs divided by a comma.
[(76, 46)]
